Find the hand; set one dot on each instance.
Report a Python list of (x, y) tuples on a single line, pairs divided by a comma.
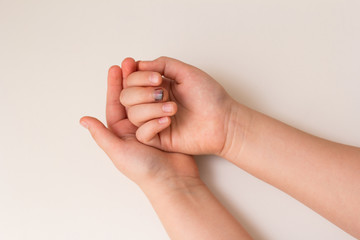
[(203, 108), (141, 163)]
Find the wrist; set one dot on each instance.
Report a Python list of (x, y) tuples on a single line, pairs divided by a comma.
[(171, 186), (237, 129)]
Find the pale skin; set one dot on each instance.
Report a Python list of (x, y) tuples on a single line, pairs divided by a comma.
[(321, 174), (185, 206)]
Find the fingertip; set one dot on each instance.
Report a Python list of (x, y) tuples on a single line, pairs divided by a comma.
[(90, 122), (114, 68), (164, 120), (128, 60), (148, 132), (170, 108), (155, 79), (128, 65), (83, 122), (114, 76), (106, 139)]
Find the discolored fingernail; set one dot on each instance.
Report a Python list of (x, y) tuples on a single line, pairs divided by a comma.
[(154, 78), (168, 107), (158, 94)]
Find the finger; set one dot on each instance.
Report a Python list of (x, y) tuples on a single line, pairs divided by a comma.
[(129, 66), (114, 110), (148, 132), (168, 67), (143, 78), (142, 113), (139, 95), (103, 136)]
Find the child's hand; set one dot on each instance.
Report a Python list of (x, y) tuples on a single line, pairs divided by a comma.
[(142, 164), (203, 108)]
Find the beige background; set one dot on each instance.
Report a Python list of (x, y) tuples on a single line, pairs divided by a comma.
[(297, 61)]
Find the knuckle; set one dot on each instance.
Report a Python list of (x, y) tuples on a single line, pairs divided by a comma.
[(130, 78), (123, 97), (140, 136), (131, 113), (162, 58)]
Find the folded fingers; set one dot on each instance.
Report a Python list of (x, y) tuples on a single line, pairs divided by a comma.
[(139, 95), (143, 78), (148, 132), (141, 113)]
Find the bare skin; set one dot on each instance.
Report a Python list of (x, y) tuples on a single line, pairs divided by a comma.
[(206, 99), (170, 180), (323, 175)]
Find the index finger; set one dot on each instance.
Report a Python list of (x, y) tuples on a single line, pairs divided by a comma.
[(114, 110), (144, 78)]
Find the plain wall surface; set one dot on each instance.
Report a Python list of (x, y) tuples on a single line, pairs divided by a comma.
[(297, 61)]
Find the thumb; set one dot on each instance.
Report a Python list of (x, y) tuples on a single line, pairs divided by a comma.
[(106, 140), (169, 67)]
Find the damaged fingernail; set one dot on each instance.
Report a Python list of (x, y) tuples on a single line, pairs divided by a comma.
[(158, 94)]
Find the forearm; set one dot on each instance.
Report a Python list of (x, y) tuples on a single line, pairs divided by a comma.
[(188, 210), (323, 175)]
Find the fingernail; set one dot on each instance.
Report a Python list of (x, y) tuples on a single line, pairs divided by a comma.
[(154, 78), (163, 120), (167, 107), (84, 124), (158, 94)]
